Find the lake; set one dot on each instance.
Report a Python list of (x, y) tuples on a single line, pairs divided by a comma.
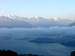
[(53, 41)]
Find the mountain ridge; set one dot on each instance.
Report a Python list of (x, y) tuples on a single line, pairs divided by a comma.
[(16, 21)]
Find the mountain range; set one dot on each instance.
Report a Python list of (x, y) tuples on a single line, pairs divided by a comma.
[(31, 22)]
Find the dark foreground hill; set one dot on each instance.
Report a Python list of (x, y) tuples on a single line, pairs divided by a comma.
[(13, 53)]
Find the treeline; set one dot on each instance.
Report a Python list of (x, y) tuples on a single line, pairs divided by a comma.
[(13, 53)]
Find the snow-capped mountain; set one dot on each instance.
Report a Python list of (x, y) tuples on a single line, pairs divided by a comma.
[(17, 21), (10, 22)]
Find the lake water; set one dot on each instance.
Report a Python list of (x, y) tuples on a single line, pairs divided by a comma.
[(24, 40)]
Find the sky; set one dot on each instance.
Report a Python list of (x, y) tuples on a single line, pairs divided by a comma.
[(47, 8)]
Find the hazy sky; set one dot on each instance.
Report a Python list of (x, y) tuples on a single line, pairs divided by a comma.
[(38, 7)]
